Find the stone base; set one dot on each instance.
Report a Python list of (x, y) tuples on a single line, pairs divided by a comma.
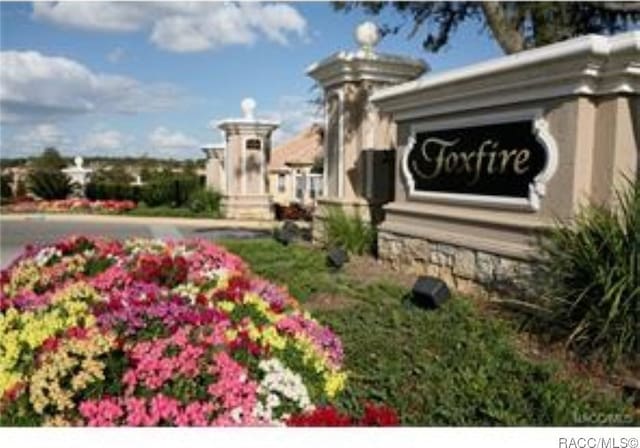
[(248, 207), (468, 271)]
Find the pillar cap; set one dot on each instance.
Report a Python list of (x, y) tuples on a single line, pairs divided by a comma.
[(367, 35), (363, 64), (248, 123)]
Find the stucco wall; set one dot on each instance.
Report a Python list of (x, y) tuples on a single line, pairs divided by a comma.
[(589, 106)]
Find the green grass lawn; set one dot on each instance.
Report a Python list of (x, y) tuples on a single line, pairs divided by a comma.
[(458, 365)]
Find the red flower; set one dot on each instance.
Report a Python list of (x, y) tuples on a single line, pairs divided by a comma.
[(236, 289), (13, 393), (50, 344), (202, 300), (379, 416), (329, 416), (321, 416), (77, 333)]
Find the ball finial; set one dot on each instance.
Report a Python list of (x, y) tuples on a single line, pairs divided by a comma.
[(248, 105), (367, 36)]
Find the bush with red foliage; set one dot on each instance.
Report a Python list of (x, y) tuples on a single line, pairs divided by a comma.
[(293, 212)]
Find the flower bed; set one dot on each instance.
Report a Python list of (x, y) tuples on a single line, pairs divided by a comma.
[(72, 205), (146, 332)]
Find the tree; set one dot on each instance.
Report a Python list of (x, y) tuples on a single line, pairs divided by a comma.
[(516, 26), (50, 159), (6, 192), (115, 175), (46, 180)]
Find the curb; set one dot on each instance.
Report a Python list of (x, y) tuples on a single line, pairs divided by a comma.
[(119, 219)]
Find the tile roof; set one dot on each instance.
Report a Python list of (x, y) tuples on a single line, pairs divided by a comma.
[(303, 148)]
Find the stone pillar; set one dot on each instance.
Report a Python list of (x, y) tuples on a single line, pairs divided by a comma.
[(246, 158), (353, 124), (79, 176), (214, 169)]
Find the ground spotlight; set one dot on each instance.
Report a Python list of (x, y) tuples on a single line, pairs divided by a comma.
[(429, 292), (337, 257), (286, 234)]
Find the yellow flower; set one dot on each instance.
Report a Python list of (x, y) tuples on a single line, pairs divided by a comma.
[(226, 306), (261, 306), (231, 334), (334, 382), (21, 332), (271, 338), (47, 392)]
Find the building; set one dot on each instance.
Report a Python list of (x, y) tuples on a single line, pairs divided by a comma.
[(292, 177)]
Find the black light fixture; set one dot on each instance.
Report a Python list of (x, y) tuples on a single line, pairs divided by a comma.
[(286, 234), (337, 257), (429, 292)]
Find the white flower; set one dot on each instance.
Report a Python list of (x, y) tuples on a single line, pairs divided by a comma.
[(46, 254), (188, 290), (280, 383), (236, 414)]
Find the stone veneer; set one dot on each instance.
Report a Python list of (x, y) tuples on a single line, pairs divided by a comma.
[(466, 270)]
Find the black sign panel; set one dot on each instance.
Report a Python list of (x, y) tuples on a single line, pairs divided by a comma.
[(253, 143), (494, 160)]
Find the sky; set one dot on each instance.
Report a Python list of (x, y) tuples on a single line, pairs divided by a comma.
[(128, 79)]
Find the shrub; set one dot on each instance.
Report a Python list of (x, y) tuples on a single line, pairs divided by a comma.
[(49, 184), (293, 212), (591, 271), (112, 191), (5, 188), (173, 191), (204, 200), (115, 175), (351, 233)]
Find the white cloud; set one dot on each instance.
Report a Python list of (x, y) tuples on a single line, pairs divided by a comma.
[(99, 16), (115, 55), (181, 26), (36, 87), (34, 139), (107, 140), (294, 113), (164, 140)]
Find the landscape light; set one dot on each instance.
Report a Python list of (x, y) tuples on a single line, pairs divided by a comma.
[(429, 292), (287, 233), (337, 257)]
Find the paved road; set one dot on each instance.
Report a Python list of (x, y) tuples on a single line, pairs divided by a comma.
[(15, 234)]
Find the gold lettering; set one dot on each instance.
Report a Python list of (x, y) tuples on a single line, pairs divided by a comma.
[(521, 159), (441, 145), (451, 162), (506, 155), (438, 156)]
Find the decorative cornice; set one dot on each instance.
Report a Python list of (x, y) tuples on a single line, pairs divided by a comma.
[(589, 65), (242, 125), (214, 149), (360, 65)]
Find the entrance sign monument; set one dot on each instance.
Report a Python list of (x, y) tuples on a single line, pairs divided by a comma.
[(486, 156)]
